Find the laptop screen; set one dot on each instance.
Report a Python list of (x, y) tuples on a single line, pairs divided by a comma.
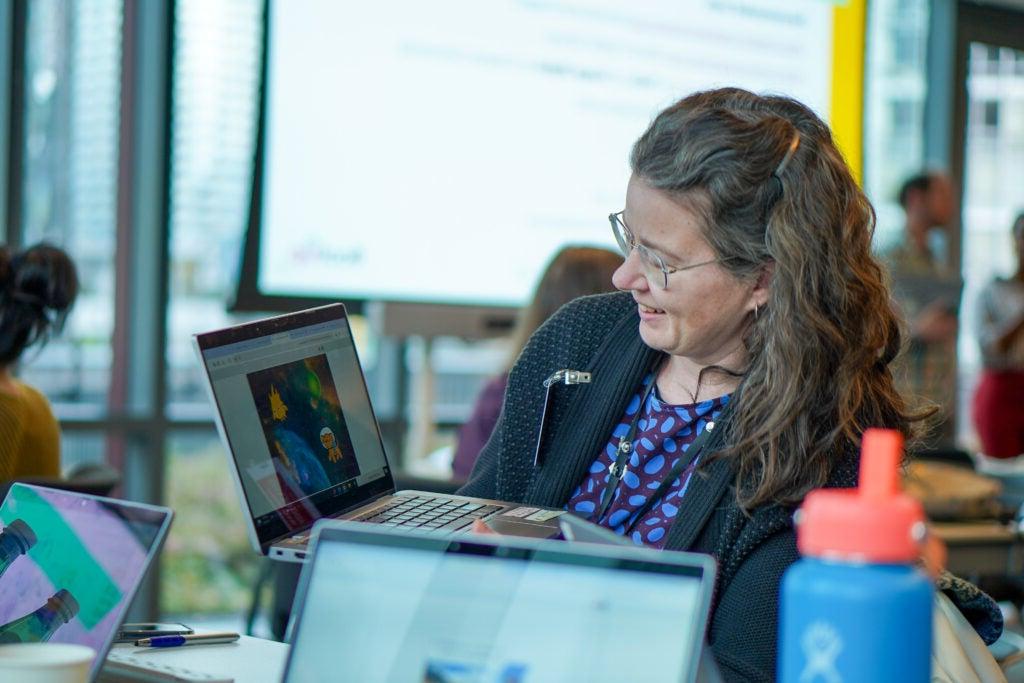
[(384, 607), (70, 564), (295, 412)]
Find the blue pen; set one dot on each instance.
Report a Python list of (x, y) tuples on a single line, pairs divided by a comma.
[(191, 639)]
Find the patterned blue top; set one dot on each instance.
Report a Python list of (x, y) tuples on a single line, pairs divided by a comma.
[(663, 434)]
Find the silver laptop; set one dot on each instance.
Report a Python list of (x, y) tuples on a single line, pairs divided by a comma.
[(381, 607), (303, 443), (70, 564)]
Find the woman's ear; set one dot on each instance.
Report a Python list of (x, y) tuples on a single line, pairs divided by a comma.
[(759, 296)]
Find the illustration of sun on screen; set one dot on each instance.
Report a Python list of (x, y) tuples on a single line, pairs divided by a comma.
[(277, 407), (304, 426)]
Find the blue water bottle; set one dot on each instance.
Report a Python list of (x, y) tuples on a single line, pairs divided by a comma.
[(856, 607)]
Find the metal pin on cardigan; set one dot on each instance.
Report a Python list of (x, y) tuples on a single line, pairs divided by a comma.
[(564, 376)]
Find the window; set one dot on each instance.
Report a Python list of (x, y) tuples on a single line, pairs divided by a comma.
[(894, 101), (69, 186), (209, 568), (905, 20), (208, 564), (215, 104), (991, 59), (904, 117), (994, 162), (990, 114)]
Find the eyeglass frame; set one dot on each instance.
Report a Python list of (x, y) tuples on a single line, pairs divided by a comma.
[(627, 243)]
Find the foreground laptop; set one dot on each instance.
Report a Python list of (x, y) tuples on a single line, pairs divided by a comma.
[(70, 564), (375, 606), (303, 443)]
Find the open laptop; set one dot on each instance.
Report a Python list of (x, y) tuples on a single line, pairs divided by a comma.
[(70, 564), (303, 443), (378, 607)]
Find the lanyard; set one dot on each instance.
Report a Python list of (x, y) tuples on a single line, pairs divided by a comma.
[(619, 468)]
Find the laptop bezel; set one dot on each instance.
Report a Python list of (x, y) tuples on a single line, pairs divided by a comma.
[(255, 329), (695, 565), (129, 596)]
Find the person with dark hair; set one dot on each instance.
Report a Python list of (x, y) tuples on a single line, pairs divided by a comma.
[(573, 272), (926, 198), (927, 291), (37, 289), (998, 407), (736, 370)]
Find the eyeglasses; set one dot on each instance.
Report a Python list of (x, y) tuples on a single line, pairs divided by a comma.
[(655, 269)]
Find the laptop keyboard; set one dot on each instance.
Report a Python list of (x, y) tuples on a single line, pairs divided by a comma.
[(428, 513)]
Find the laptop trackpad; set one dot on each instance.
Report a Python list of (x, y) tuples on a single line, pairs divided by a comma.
[(512, 527)]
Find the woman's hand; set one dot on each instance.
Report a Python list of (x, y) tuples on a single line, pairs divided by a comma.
[(480, 527)]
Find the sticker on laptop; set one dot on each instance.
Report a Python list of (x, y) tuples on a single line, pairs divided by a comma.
[(544, 515), (520, 512)]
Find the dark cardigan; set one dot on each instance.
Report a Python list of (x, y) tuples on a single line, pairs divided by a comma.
[(600, 334)]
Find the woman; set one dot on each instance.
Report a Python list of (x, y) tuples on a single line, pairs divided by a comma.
[(37, 288), (747, 352), (998, 407), (572, 273)]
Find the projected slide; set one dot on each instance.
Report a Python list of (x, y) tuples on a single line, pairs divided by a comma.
[(442, 151)]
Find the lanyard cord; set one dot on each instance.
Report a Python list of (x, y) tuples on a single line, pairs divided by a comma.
[(618, 469), (687, 464)]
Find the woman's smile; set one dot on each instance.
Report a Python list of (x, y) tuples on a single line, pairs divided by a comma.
[(648, 312)]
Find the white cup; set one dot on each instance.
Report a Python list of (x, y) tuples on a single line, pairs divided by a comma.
[(45, 663)]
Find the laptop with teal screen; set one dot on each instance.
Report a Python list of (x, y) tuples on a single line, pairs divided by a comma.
[(379, 607), (70, 564)]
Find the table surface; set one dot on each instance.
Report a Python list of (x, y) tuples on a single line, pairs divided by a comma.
[(255, 660), (976, 549), (976, 532), (250, 660)]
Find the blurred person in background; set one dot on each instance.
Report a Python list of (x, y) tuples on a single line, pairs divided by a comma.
[(37, 289), (573, 272), (928, 294), (998, 407)]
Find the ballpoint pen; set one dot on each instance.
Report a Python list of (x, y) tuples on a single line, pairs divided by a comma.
[(191, 639)]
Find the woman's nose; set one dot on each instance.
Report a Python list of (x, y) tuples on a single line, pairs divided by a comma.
[(629, 276)]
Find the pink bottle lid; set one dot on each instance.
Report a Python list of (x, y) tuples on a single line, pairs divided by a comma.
[(875, 522)]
